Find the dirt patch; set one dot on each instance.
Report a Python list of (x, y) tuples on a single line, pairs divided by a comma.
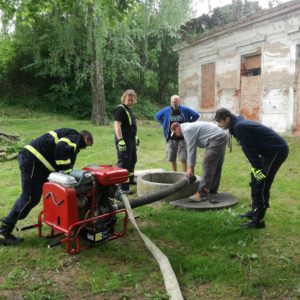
[(7, 294)]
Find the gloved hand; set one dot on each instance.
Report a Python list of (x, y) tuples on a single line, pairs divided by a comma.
[(258, 174), (121, 145), (137, 141)]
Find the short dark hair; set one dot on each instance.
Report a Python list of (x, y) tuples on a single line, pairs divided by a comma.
[(222, 114), (88, 136)]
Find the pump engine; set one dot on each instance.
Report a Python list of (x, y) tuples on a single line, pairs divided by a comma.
[(82, 205)]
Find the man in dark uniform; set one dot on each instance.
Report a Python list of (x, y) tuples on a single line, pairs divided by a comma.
[(54, 151), (266, 152), (126, 139)]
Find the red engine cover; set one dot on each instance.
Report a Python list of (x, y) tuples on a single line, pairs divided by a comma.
[(60, 205), (108, 175)]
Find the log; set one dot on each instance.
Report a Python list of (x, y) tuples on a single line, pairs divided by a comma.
[(12, 156), (9, 137)]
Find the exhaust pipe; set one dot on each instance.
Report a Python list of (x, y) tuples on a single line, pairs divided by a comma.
[(156, 196)]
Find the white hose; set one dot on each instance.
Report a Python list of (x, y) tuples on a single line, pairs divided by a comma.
[(170, 280)]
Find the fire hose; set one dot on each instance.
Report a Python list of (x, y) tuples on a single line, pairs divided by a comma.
[(170, 280), (156, 196)]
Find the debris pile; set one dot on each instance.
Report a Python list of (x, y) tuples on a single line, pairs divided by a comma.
[(10, 145)]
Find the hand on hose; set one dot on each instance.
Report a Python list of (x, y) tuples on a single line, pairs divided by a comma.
[(258, 174), (121, 145), (190, 171), (137, 141)]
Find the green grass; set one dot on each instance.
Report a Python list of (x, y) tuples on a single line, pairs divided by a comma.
[(212, 256)]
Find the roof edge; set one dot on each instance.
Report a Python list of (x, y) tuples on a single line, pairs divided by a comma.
[(252, 19)]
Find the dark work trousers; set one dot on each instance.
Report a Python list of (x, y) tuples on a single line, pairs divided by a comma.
[(33, 176), (212, 164), (127, 159), (260, 190)]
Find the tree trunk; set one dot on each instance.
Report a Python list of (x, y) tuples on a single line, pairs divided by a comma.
[(98, 96)]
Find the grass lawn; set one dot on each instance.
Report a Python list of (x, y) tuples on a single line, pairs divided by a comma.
[(212, 256)]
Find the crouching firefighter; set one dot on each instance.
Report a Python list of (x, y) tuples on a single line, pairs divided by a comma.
[(52, 152), (266, 152)]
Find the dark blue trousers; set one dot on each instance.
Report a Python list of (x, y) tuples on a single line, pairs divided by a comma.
[(127, 159), (33, 176), (260, 190)]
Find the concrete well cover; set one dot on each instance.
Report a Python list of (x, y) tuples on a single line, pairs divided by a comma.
[(216, 201), (156, 181)]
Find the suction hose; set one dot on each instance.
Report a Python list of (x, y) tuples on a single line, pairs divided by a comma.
[(156, 196)]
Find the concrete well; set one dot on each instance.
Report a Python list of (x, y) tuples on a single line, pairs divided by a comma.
[(154, 182)]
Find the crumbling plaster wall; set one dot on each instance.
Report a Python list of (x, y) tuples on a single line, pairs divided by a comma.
[(276, 40)]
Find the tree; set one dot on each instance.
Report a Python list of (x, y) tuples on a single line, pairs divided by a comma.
[(67, 47), (155, 32), (219, 17), (98, 94)]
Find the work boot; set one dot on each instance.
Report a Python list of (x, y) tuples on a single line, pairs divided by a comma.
[(249, 214), (9, 239), (254, 225), (132, 180), (6, 238), (124, 189), (257, 221)]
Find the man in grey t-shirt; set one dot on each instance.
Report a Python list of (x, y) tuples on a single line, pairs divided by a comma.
[(213, 139)]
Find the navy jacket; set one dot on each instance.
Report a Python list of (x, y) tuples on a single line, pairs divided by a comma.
[(57, 150), (256, 139)]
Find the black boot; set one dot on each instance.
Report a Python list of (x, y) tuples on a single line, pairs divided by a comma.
[(131, 180), (6, 238), (257, 221), (249, 214), (124, 188)]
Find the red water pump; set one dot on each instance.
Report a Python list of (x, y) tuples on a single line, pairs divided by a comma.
[(81, 206)]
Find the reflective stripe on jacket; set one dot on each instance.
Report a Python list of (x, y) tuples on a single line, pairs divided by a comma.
[(57, 149)]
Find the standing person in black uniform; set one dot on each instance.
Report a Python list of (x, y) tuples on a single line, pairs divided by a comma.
[(54, 151), (266, 152), (126, 139)]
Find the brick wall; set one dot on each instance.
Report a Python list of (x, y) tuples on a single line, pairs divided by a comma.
[(208, 86), (251, 91), (297, 95)]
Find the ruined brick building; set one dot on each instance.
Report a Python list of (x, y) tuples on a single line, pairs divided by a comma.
[(250, 67)]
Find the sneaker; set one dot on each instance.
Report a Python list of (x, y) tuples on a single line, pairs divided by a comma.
[(254, 225), (199, 197), (9, 239)]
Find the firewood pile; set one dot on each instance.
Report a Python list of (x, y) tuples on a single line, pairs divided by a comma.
[(10, 145)]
